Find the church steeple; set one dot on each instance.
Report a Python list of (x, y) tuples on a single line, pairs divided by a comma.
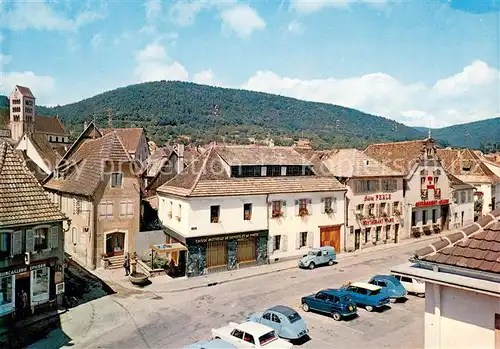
[(22, 112)]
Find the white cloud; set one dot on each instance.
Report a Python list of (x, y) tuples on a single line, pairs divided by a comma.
[(154, 9), (310, 6), (41, 16), (467, 96), (43, 87), (184, 12), (243, 20), (96, 41), (4, 59), (207, 77), (295, 27), (153, 64)]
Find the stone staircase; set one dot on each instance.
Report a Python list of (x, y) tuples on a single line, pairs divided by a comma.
[(116, 262)]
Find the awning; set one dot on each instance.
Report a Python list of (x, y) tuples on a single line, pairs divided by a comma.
[(176, 235)]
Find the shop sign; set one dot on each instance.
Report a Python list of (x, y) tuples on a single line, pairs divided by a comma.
[(226, 238), (22, 270), (432, 203), (378, 221), (377, 197)]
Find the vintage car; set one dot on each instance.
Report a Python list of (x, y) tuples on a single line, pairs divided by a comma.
[(318, 256), (390, 285), (412, 285), (211, 344), (335, 302), (366, 295), (250, 335), (285, 321)]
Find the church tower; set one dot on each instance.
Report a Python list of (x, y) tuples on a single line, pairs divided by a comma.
[(22, 112)]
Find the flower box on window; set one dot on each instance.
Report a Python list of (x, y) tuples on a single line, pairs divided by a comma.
[(215, 220), (437, 193), (277, 214), (248, 216), (424, 193), (303, 212), (397, 212), (384, 214), (328, 210), (170, 215), (178, 218), (359, 215)]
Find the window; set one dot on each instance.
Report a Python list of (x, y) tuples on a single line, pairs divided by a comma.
[(267, 316), (463, 199), (422, 182), (28, 110), (106, 210), (303, 239), (436, 181), (28, 102), (268, 337), (273, 171), (302, 204), (276, 319), (214, 214), (16, 109), (6, 303), (413, 218), (406, 279), (277, 243), (74, 236), (237, 333), (424, 217), (39, 286), (16, 117), (434, 215), (321, 296), (116, 180), (5, 239), (294, 170), (372, 185), (360, 208), (179, 212), (16, 101), (77, 206), (330, 205), (126, 208), (367, 186), (371, 209), (389, 185), (395, 207), (277, 209), (41, 239), (248, 338), (470, 196), (247, 212), (85, 208)]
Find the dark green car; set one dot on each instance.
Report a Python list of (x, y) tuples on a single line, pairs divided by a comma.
[(334, 302)]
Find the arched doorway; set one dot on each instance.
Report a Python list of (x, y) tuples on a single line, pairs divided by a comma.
[(115, 244)]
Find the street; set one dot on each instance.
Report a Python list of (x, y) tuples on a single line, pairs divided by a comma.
[(131, 319)]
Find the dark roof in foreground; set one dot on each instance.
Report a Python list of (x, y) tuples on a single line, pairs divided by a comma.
[(476, 246), (22, 198)]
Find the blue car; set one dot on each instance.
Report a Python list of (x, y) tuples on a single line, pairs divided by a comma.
[(390, 285), (334, 302), (285, 321), (367, 295), (211, 344)]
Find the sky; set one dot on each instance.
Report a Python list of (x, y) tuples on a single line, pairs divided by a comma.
[(429, 63)]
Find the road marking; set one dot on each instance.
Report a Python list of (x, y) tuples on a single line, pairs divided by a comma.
[(330, 321)]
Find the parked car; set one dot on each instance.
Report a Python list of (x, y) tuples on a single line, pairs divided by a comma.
[(366, 295), (250, 335), (318, 256), (335, 302), (412, 285), (390, 285), (211, 344), (285, 321)]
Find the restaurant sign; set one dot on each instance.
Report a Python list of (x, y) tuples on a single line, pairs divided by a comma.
[(226, 237), (377, 197), (21, 270), (432, 203), (378, 221)]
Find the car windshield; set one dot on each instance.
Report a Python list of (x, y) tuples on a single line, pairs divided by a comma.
[(374, 292), (267, 338), (312, 253), (294, 317)]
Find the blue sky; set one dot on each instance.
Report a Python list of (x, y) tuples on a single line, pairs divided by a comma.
[(419, 62)]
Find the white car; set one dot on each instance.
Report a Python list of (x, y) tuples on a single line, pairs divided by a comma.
[(250, 335), (412, 285)]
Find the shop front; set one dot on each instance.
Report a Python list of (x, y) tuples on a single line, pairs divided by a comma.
[(27, 288), (377, 230), (226, 252), (428, 217)]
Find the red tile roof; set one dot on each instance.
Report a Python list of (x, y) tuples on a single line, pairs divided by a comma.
[(454, 160), (130, 137), (26, 92), (22, 199), (475, 247), (49, 125)]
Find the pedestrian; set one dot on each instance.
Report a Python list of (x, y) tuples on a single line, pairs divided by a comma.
[(24, 302), (126, 265)]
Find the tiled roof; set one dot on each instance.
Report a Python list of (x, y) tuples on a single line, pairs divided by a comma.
[(26, 92), (87, 165), (208, 176), (130, 137), (454, 160), (475, 247), (256, 155), (39, 174), (157, 160), (49, 125), (351, 163), (457, 184), (400, 156), (45, 149), (22, 199)]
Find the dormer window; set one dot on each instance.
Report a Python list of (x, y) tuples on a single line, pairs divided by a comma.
[(467, 165), (430, 153), (116, 180)]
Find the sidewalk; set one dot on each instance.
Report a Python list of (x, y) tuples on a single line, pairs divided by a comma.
[(165, 284)]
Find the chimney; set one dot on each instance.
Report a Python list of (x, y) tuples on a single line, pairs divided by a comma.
[(180, 157)]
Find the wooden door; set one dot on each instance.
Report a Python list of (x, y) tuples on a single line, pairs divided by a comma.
[(246, 250), (357, 238), (115, 244), (330, 236), (216, 254)]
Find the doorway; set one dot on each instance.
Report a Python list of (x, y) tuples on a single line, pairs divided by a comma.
[(23, 285), (330, 236), (357, 238), (396, 233), (444, 217), (115, 244)]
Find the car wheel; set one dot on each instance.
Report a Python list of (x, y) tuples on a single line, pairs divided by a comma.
[(305, 307), (393, 300), (311, 265), (336, 316), (330, 262), (421, 295), (369, 308)]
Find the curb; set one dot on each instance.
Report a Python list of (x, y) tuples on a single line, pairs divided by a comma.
[(32, 323), (343, 256)]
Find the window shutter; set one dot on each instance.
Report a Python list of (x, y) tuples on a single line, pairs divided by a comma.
[(388, 208), (109, 209), (123, 208), (30, 240), (296, 207), (270, 210), (53, 237), (284, 243), (283, 207), (16, 243), (270, 244), (334, 205), (130, 209), (310, 239), (297, 241), (309, 207)]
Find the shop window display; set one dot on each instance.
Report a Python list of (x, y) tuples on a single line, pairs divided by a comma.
[(6, 294), (40, 285)]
